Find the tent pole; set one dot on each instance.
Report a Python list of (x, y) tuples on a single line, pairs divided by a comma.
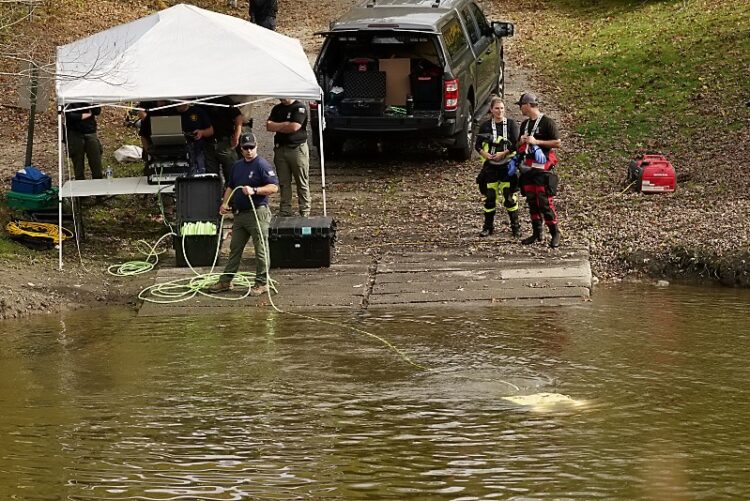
[(321, 111), (59, 188)]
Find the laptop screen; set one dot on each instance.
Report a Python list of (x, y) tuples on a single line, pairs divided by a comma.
[(167, 130)]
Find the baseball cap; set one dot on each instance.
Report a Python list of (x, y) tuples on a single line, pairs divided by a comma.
[(248, 140), (527, 98)]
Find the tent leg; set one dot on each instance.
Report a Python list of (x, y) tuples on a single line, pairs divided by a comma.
[(321, 111), (59, 189)]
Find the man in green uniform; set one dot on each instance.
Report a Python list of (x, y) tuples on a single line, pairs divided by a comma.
[(291, 156), (80, 128)]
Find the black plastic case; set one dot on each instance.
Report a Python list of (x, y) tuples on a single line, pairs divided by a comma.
[(198, 200), (427, 91), (301, 242), (362, 107), (369, 84)]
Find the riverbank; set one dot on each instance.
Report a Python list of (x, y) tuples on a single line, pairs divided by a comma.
[(633, 77), (407, 198)]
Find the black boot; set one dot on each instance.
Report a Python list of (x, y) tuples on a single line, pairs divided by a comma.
[(536, 226), (514, 226), (555, 234), (489, 218)]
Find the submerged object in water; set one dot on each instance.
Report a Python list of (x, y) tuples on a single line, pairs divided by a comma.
[(546, 402)]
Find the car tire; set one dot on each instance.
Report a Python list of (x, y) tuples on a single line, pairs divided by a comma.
[(464, 147), (500, 85), (332, 147)]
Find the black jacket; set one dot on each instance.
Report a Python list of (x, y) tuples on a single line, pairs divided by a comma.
[(74, 120)]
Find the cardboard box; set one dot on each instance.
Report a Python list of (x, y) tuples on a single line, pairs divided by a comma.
[(397, 85)]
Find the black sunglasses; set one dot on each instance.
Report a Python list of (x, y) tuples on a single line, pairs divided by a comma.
[(248, 148)]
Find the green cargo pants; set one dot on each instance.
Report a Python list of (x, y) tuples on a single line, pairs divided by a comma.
[(82, 146), (226, 156), (243, 229), (293, 161)]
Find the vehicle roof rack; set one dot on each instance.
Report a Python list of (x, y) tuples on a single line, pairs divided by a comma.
[(371, 3)]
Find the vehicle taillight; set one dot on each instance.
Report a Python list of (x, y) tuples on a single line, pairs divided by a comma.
[(313, 105), (450, 94)]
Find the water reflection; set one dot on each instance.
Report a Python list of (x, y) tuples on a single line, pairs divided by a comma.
[(105, 405)]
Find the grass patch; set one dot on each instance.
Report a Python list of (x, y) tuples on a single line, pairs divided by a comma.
[(638, 71), (11, 249)]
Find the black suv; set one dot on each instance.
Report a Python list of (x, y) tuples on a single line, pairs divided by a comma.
[(420, 68)]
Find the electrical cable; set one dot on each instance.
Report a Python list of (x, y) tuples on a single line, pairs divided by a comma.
[(35, 229), (132, 268), (617, 193)]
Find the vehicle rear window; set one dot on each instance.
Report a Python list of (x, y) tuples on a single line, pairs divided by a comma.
[(454, 38)]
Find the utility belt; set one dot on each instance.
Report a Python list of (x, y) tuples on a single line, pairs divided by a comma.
[(250, 209), (288, 145)]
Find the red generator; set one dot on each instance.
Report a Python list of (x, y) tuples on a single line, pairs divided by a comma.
[(652, 174)]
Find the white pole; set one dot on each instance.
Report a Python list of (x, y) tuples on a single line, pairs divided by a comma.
[(59, 187), (321, 111)]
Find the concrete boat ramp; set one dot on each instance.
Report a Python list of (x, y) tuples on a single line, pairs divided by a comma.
[(408, 279)]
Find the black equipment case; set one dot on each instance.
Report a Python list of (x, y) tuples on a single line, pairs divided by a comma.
[(301, 242), (363, 107), (165, 163), (198, 200), (166, 171), (364, 94)]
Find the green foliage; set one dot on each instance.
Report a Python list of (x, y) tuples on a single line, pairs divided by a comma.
[(11, 249), (630, 69)]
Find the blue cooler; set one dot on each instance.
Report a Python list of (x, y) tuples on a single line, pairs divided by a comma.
[(30, 181)]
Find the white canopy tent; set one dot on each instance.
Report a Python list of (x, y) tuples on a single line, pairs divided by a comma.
[(182, 53)]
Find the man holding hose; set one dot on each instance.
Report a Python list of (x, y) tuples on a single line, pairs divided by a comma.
[(252, 180)]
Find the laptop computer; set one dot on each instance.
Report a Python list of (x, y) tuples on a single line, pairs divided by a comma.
[(167, 130)]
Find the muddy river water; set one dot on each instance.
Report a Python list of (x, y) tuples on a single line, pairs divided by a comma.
[(641, 393)]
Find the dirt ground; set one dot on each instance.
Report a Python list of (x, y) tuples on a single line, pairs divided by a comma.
[(401, 197)]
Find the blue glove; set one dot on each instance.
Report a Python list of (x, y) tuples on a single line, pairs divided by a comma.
[(539, 156), (513, 165)]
